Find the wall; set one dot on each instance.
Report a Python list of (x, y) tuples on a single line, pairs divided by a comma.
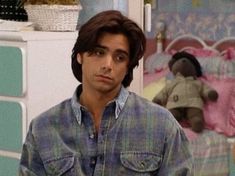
[(208, 19), (91, 7)]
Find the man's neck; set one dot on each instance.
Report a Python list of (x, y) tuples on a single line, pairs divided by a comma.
[(95, 102)]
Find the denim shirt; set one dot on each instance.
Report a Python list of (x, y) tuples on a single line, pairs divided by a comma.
[(136, 137)]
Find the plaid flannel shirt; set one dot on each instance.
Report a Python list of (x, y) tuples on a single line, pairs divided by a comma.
[(136, 137)]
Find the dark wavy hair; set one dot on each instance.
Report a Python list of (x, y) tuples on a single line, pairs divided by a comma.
[(114, 22)]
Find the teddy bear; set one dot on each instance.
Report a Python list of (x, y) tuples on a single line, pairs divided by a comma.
[(185, 95)]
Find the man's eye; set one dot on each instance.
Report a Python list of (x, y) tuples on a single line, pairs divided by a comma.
[(99, 52), (121, 57)]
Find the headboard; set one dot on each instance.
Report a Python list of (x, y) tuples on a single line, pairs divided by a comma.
[(192, 41)]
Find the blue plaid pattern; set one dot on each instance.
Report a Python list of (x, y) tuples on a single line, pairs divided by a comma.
[(136, 137)]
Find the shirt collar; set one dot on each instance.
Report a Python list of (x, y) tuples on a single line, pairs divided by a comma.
[(120, 101)]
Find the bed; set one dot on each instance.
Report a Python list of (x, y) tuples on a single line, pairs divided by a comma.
[(213, 149)]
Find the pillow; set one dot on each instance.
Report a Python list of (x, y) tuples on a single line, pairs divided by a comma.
[(199, 52), (227, 67), (228, 54), (154, 88), (215, 63), (209, 60), (220, 115), (156, 62)]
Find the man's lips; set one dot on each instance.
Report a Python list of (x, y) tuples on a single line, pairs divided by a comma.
[(104, 77)]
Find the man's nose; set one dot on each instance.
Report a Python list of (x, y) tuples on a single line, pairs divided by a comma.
[(108, 61)]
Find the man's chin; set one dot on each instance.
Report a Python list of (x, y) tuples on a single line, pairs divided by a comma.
[(105, 88)]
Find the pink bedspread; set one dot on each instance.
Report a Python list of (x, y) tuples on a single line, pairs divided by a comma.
[(220, 116), (219, 73)]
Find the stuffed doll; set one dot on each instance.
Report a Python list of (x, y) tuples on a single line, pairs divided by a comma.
[(185, 94)]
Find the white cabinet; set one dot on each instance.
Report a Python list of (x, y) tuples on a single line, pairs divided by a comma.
[(35, 74), (47, 78)]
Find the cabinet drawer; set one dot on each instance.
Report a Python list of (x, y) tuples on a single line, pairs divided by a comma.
[(11, 71), (8, 166), (11, 120)]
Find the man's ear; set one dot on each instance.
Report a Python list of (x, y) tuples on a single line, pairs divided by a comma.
[(79, 58)]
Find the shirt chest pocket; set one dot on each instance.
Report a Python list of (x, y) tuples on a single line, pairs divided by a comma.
[(60, 166), (143, 162)]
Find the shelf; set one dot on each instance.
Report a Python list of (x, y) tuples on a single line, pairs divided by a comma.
[(37, 35)]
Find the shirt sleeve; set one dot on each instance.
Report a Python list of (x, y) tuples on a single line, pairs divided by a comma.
[(177, 159), (30, 162)]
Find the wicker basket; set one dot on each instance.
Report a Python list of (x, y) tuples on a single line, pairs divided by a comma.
[(54, 17)]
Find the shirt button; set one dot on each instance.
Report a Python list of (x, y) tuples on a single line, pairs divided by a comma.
[(101, 141), (142, 164), (101, 157), (175, 98), (91, 136), (92, 162), (103, 132)]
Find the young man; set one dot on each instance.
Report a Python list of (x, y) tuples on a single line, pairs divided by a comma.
[(104, 129)]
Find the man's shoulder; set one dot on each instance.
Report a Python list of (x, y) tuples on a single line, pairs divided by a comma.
[(138, 100), (146, 110), (146, 106), (53, 114)]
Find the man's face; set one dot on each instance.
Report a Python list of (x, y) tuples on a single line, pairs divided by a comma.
[(105, 67)]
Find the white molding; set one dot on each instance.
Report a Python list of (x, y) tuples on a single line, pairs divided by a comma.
[(10, 154), (37, 35), (135, 12)]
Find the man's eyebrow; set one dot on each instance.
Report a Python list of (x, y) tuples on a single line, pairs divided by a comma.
[(118, 50), (100, 46), (123, 52)]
